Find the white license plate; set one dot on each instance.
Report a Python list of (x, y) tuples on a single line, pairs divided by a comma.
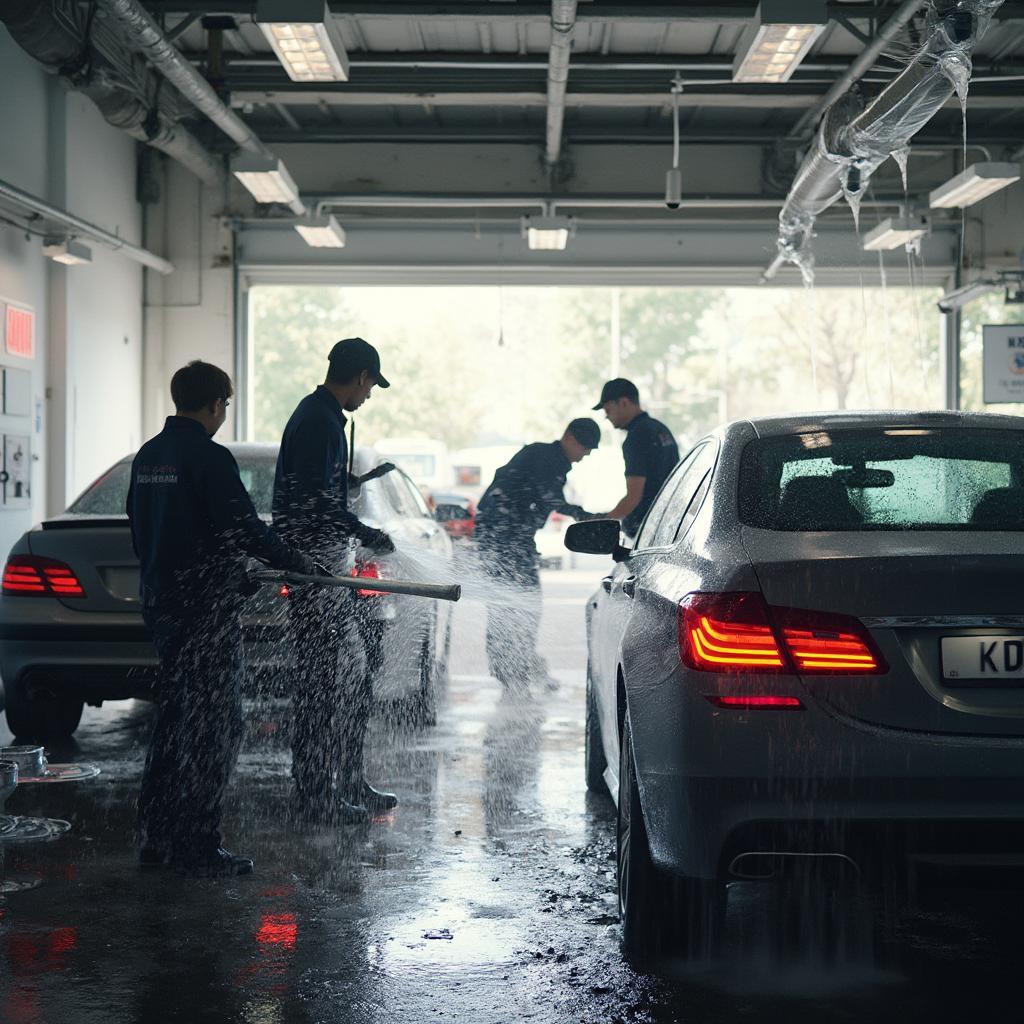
[(983, 657)]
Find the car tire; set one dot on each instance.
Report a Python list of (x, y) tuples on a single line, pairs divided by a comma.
[(39, 718), (662, 914), (593, 749)]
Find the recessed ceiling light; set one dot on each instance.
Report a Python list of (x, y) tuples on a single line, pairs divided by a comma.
[(548, 233), (973, 184), (781, 35), (266, 178), (67, 251), (322, 232), (894, 232), (305, 38)]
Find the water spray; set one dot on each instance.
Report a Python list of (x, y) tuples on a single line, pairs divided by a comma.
[(411, 588)]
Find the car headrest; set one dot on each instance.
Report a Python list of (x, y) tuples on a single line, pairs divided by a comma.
[(817, 503), (1001, 508)]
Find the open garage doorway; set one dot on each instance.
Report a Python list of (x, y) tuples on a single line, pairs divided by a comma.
[(493, 367)]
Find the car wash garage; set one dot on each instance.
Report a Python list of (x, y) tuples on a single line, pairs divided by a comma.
[(511, 510)]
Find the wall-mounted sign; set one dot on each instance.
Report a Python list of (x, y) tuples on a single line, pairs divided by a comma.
[(1002, 363), (20, 335)]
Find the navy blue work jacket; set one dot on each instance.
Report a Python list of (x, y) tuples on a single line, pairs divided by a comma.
[(311, 481), (524, 492), (193, 523)]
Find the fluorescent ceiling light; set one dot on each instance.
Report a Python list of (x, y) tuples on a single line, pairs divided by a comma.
[(305, 38), (266, 178), (967, 293), (894, 232), (322, 232), (782, 33), (548, 233), (67, 251), (974, 184)]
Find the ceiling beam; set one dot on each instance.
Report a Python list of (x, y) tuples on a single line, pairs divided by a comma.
[(491, 11)]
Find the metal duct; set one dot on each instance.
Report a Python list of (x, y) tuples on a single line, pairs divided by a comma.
[(854, 140), (60, 47), (563, 22)]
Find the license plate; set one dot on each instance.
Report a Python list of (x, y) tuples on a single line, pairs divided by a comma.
[(983, 657)]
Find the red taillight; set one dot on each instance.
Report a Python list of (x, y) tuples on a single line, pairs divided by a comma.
[(31, 576), (284, 590), (727, 633), (369, 571), (739, 632)]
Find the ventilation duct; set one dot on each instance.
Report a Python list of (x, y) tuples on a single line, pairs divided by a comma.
[(94, 64), (855, 139)]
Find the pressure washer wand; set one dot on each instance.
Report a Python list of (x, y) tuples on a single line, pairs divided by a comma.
[(437, 591)]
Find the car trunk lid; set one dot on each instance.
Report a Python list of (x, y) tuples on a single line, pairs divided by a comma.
[(912, 590)]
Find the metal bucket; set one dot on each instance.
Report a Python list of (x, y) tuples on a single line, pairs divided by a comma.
[(31, 761)]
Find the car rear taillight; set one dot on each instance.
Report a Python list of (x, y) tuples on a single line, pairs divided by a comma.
[(740, 632), (754, 702), (369, 571), (727, 633), (32, 576)]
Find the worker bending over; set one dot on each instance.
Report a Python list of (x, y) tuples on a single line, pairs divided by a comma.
[(193, 526), (332, 690), (524, 492), (649, 451)]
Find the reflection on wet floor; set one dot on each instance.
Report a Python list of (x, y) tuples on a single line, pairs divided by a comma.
[(487, 896)]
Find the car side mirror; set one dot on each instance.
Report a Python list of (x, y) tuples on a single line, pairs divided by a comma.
[(596, 537)]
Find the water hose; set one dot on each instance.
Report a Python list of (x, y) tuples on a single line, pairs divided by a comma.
[(412, 588)]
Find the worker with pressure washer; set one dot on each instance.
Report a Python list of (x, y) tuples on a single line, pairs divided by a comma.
[(332, 689), (524, 492), (193, 527)]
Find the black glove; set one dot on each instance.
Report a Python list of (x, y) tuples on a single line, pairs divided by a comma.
[(377, 540)]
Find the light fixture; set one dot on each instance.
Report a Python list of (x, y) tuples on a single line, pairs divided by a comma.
[(305, 38), (323, 232), (894, 232), (782, 33), (960, 297), (266, 178), (548, 233), (973, 184), (67, 251), (674, 177)]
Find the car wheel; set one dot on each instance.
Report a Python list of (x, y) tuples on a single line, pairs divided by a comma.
[(41, 718), (593, 749), (661, 914)]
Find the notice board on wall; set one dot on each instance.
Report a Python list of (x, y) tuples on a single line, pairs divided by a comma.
[(1002, 363)]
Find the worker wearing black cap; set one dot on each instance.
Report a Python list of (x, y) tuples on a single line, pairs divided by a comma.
[(524, 492), (193, 527), (650, 451), (332, 690)]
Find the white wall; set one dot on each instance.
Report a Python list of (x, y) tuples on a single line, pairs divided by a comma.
[(86, 378)]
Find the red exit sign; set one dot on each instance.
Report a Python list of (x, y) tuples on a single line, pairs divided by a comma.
[(21, 331)]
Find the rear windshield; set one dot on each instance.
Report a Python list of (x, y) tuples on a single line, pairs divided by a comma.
[(898, 478), (107, 496)]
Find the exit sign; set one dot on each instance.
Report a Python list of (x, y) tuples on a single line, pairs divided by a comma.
[(20, 337)]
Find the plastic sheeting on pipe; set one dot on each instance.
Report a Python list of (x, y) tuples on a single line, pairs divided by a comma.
[(563, 21), (854, 139)]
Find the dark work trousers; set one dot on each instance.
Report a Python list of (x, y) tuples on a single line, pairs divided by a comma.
[(198, 728), (513, 617), (331, 697)]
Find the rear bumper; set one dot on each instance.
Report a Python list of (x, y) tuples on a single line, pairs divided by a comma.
[(717, 783)]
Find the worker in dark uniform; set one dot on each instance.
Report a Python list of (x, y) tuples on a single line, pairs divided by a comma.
[(524, 492), (193, 526), (332, 691), (649, 451)]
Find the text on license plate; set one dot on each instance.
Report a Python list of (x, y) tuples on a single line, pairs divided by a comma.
[(982, 657)]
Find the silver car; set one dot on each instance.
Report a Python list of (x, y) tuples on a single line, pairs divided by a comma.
[(813, 651), (71, 629)]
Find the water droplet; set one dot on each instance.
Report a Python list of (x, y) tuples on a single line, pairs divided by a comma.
[(902, 157)]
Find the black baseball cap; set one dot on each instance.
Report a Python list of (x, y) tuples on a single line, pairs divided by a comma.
[(353, 355), (618, 388), (586, 431)]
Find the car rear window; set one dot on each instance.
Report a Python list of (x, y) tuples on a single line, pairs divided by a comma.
[(107, 496), (898, 478)]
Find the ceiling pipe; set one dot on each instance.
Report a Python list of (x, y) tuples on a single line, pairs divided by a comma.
[(78, 226), (563, 22), (165, 57), (889, 31), (58, 45), (854, 140)]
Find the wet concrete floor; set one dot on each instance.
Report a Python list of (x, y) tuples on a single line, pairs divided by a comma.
[(488, 896)]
